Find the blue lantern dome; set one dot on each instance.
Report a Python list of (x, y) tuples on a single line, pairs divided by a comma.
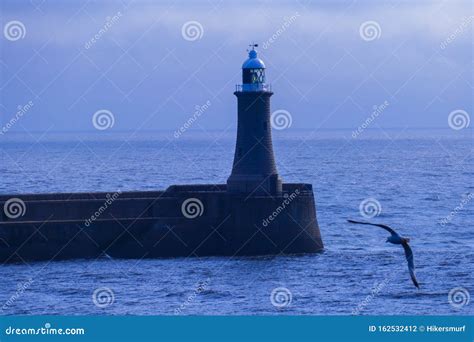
[(253, 62)]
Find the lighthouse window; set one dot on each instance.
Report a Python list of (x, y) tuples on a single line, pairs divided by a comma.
[(253, 76)]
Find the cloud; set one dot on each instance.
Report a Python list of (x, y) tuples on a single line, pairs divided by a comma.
[(425, 19), (316, 62)]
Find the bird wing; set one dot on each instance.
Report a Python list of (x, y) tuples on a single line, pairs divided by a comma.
[(411, 264), (387, 228)]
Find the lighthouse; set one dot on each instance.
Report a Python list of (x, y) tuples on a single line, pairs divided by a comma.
[(254, 170), (254, 214)]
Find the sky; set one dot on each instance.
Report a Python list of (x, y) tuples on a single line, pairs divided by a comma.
[(153, 65)]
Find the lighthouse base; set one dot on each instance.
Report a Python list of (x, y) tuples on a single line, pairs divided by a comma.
[(183, 221), (255, 184)]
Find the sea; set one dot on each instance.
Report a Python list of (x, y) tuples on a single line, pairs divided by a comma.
[(418, 181)]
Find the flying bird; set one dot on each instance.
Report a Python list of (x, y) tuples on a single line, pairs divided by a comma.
[(396, 239)]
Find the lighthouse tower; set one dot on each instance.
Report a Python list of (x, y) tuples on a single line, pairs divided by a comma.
[(254, 170)]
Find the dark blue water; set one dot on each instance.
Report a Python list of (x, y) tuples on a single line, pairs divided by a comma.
[(418, 177)]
